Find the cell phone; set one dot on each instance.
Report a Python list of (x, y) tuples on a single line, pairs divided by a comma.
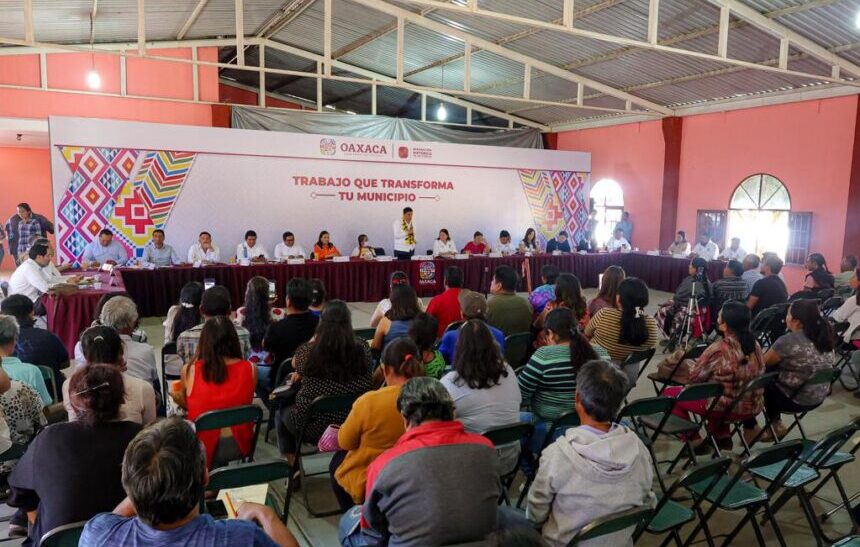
[(272, 290), (217, 509), (208, 283)]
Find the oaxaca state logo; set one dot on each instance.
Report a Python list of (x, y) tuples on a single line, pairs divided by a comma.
[(328, 147), (427, 273)]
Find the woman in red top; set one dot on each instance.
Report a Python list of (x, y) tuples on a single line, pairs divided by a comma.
[(219, 378), (324, 248)]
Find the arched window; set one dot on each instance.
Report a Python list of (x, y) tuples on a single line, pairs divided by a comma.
[(759, 214), (608, 200)]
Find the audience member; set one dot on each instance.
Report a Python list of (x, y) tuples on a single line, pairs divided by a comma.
[(21, 227), (483, 387), (318, 296), (423, 331), (288, 248), (443, 246), (732, 286), (671, 314), (214, 303), (392, 513), (324, 248), (680, 246), (546, 291), (395, 323), (24, 413), (37, 346), (516, 537), (374, 423), (819, 277), (568, 294), (120, 314), (104, 250), (734, 251), (220, 378), (606, 296), (850, 313), (204, 251), (478, 246), (256, 315), (185, 314), (626, 327), (798, 355), (139, 335), (529, 243), (159, 253), (164, 476), (284, 336), (770, 289), (13, 367), (734, 360), (103, 346), (333, 362), (752, 273), (250, 250), (847, 268), (594, 470), (559, 243), (473, 305), (395, 280), (445, 307), (506, 310), (705, 248), (71, 470)]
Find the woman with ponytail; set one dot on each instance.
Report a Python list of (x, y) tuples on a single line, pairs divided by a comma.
[(735, 360), (568, 294), (797, 356), (668, 315), (819, 276), (374, 424)]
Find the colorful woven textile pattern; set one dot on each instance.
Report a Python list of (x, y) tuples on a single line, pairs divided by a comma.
[(110, 187), (557, 200)]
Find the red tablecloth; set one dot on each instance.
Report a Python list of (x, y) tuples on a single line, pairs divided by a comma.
[(69, 315)]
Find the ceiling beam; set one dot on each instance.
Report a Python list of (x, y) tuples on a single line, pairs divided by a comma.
[(198, 9), (28, 21), (239, 14), (781, 31), (141, 28), (93, 13), (372, 37), (421, 21)]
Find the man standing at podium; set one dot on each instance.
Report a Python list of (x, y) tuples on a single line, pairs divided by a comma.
[(404, 236)]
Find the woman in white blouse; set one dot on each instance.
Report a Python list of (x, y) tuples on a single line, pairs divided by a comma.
[(364, 250), (443, 246)]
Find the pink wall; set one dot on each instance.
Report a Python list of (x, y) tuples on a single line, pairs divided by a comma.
[(808, 145), (631, 155), (236, 95), (25, 175)]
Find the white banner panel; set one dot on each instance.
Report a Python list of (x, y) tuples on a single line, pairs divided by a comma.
[(136, 177)]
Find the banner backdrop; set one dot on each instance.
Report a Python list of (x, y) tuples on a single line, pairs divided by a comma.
[(134, 178)]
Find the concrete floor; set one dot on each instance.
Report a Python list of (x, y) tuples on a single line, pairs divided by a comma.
[(838, 410)]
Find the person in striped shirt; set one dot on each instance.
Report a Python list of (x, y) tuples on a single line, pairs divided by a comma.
[(548, 381)]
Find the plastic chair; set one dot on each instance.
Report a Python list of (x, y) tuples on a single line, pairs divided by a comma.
[(733, 494), (365, 334), (50, 381), (248, 474), (669, 515), (611, 524), (507, 435), (219, 419), (167, 350), (320, 405), (693, 353), (517, 348), (67, 535)]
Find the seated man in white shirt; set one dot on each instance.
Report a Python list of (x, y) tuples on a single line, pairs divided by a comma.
[(29, 278), (734, 251), (504, 246), (104, 250), (705, 248), (250, 250), (160, 253), (289, 248), (618, 242), (51, 272), (204, 252)]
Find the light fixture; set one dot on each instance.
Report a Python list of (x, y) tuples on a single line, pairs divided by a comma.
[(94, 81), (441, 113)]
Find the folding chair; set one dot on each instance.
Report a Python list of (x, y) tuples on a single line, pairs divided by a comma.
[(831, 305), (50, 381), (168, 350), (649, 406), (769, 324), (814, 458), (643, 358), (275, 403), (248, 474), (854, 496), (67, 535), (681, 428), (559, 425), (454, 325), (503, 436), (850, 541), (669, 515), (736, 427), (365, 334), (733, 493), (517, 348), (843, 353), (320, 405), (693, 353), (228, 417), (610, 524)]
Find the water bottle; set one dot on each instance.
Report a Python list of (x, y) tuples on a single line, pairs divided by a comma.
[(245, 251)]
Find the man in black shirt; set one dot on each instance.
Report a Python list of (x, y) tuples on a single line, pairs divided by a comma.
[(284, 336), (770, 289), (36, 346), (558, 243)]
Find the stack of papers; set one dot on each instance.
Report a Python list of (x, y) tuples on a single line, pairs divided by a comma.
[(233, 498)]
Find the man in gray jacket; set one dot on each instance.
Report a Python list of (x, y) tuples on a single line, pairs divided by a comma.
[(596, 469)]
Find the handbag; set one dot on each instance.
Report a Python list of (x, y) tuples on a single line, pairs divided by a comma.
[(675, 368), (328, 440)]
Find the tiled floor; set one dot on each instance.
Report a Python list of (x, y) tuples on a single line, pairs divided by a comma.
[(838, 410)]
